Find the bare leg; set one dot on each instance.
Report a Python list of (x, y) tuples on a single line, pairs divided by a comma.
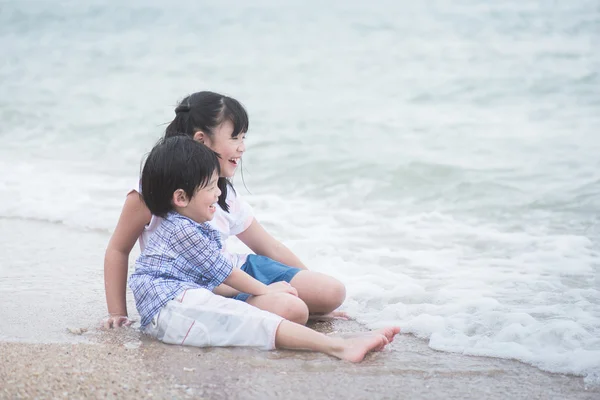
[(297, 337), (321, 293), (285, 305)]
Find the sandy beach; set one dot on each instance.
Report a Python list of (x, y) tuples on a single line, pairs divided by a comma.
[(42, 359), (124, 364)]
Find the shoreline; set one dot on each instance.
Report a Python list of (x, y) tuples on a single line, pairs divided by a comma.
[(125, 364)]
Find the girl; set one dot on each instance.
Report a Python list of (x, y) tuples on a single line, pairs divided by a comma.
[(221, 123)]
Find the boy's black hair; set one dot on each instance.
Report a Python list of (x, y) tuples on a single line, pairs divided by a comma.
[(178, 162)]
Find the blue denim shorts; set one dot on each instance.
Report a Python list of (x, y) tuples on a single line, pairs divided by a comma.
[(267, 271)]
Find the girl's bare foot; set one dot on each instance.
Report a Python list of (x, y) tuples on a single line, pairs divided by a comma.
[(329, 317), (355, 349)]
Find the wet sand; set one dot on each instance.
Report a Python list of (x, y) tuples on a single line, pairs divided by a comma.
[(124, 364), (44, 291)]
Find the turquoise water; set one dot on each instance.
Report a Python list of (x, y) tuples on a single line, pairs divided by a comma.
[(441, 158)]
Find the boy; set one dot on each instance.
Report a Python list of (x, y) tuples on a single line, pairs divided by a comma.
[(182, 263)]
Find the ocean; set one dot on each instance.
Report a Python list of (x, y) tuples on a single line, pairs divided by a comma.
[(441, 158)]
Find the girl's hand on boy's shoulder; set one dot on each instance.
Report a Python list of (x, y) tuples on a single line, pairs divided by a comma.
[(116, 321), (282, 286)]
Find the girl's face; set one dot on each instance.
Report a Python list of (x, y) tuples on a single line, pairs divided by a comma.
[(229, 148)]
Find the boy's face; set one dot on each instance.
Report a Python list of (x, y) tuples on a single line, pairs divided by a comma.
[(202, 206)]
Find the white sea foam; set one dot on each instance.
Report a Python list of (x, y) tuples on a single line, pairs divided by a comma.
[(466, 287), (472, 288)]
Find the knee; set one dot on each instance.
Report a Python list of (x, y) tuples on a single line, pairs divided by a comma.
[(290, 307), (322, 293), (335, 294)]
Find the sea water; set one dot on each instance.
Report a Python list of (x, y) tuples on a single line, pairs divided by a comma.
[(441, 158)]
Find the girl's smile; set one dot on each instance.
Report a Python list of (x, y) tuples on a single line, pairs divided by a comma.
[(229, 148)]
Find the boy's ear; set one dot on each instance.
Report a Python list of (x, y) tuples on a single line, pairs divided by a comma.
[(180, 198), (199, 136)]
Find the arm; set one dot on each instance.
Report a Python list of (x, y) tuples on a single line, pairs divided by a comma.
[(208, 265), (243, 282), (225, 291), (134, 217), (262, 243)]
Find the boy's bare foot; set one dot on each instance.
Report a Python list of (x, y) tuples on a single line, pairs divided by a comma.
[(389, 332), (355, 349)]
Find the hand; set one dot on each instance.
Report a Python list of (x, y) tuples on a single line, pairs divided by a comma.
[(282, 287), (116, 321)]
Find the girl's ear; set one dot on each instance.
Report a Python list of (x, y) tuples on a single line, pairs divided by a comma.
[(180, 198), (199, 136)]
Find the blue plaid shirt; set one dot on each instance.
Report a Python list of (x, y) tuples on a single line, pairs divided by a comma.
[(181, 254)]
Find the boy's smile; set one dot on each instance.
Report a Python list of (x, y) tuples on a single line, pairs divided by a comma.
[(203, 205)]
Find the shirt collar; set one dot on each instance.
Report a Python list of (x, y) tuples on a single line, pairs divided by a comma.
[(204, 226)]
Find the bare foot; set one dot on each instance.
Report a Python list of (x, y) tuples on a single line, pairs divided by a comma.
[(389, 332), (355, 349), (330, 316)]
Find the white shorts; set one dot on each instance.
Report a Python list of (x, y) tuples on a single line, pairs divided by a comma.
[(198, 317)]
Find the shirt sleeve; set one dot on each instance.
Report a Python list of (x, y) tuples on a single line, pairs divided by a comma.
[(242, 213), (136, 187), (208, 265)]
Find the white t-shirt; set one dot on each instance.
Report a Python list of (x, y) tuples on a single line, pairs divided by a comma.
[(231, 223)]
